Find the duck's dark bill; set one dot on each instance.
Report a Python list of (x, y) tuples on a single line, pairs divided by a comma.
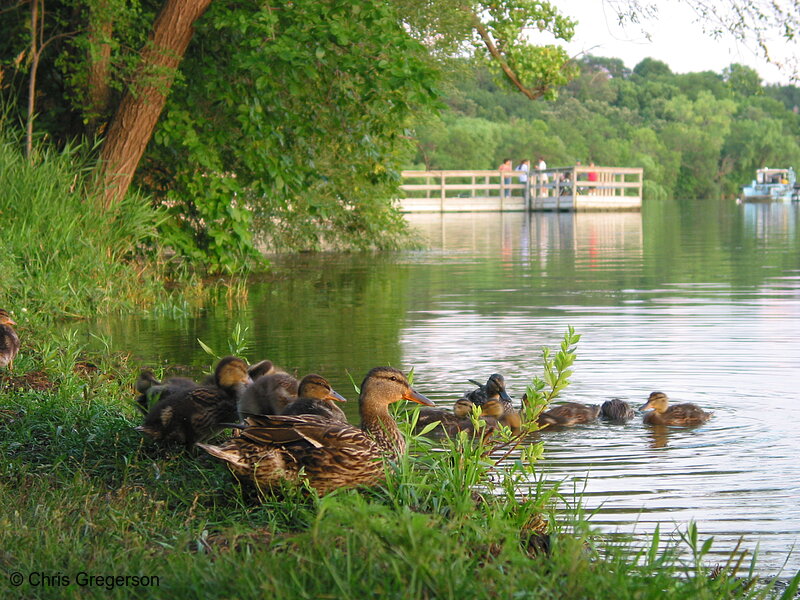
[(336, 396), (415, 396)]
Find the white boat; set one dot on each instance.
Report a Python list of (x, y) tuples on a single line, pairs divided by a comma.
[(779, 185)]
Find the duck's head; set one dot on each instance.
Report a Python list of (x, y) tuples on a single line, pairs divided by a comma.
[(264, 367), (462, 408), (492, 408), (145, 381), (231, 372), (657, 401), (316, 386), (5, 318), (496, 387), (384, 385)]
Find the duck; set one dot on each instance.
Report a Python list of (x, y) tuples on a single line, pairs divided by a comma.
[(495, 412), (327, 455), (151, 390), (616, 411), (195, 414), (568, 414), (9, 340), (450, 421), (662, 413), (263, 367), (315, 396), (268, 395), (494, 388)]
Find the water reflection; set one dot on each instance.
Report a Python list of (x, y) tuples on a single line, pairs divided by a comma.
[(700, 300)]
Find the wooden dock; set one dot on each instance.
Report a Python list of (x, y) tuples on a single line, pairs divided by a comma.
[(568, 189)]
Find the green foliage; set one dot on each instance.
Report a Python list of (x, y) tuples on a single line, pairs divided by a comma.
[(555, 377)]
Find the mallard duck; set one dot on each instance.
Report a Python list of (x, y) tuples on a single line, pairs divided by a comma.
[(495, 411), (677, 414), (151, 390), (315, 396), (199, 412), (569, 414), (616, 411), (328, 455), (494, 388), (268, 395), (9, 341), (450, 421), (261, 368)]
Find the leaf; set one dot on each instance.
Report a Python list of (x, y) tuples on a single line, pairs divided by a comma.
[(206, 349)]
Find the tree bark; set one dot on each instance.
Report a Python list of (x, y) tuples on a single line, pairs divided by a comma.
[(98, 90), (135, 119)]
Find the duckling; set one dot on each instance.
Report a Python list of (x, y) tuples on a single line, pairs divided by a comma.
[(616, 411), (494, 411), (569, 414), (450, 421), (315, 396), (9, 341), (678, 414), (197, 413), (268, 395), (326, 454), (261, 368), (151, 390), (495, 388)]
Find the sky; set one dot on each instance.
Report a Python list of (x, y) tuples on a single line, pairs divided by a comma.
[(676, 39)]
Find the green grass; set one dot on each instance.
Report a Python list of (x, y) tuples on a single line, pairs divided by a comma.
[(80, 491)]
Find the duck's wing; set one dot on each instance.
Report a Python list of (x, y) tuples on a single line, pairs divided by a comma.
[(286, 430)]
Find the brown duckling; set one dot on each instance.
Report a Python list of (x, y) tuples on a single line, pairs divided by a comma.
[(315, 396), (198, 413), (678, 414), (151, 390), (495, 411), (268, 395), (450, 421), (9, 341), (261, 368), (568, 414), (328, 455), (494, 388), (616, 411)]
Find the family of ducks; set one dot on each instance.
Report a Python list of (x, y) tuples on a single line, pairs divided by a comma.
[(9, 340), (292, 431)]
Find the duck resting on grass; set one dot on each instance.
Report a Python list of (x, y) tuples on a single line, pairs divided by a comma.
[(273, 450), (9, 341), (315, 396), (151, 390), (198, 413), (678, 414), (268, 395)]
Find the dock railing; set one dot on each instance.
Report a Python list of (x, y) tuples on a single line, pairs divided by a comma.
[(568, 188)]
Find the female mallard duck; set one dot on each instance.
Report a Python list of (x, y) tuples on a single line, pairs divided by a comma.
[(151, 390), (197, 413), (677, 414), (494, 389), (315, 396), (616, 411), (268, 395), (569, 414), (328, 455), (9, 341)]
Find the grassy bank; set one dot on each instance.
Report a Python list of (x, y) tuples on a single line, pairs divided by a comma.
[(81, 492)]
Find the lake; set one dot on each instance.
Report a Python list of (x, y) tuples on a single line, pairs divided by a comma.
[(697, 299)]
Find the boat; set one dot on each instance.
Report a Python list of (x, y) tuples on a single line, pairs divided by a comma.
[(779, 185)]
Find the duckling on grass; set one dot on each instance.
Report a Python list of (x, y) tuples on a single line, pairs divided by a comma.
[(9, 341)]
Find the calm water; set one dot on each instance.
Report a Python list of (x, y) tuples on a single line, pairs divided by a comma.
[(699, 300)]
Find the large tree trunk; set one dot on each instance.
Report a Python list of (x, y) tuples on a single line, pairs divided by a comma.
[(98, 90), (138, 112)]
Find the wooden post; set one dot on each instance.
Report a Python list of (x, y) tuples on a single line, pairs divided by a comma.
[(442, 196)]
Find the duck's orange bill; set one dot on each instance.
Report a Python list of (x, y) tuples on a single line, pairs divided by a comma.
[(335, 396), (415, 396)]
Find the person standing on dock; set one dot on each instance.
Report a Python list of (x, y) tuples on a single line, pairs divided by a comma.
[(523, 167), (543, 179), (506, 167), (592, 176)]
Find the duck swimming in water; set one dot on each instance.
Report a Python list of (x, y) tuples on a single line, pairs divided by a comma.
[(327, 455), (493, 389), (616, 411), (678, 414), (568, 414)]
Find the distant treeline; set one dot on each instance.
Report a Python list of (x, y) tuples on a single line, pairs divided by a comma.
[(697, 135)]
